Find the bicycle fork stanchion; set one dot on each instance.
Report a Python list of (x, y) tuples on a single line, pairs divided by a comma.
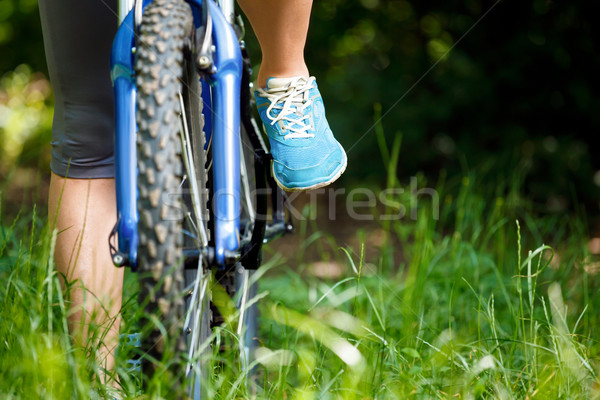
[(123, 79), (225, 80)]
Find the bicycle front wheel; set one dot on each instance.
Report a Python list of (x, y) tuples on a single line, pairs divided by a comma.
[(172, 202)]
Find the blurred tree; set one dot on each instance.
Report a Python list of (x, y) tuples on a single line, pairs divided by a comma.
[(25, 94), (520, 78), (21, 36), (25, 119)]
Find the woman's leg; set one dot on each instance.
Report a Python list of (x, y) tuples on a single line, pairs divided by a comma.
[(304, 162), (84, 211), (281, 27), (77, 39)]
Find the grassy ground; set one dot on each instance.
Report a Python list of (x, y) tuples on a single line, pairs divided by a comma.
[(490, 300)]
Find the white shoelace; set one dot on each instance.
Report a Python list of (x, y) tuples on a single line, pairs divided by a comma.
[(295, 99)]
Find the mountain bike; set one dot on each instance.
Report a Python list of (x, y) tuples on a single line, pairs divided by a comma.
[(195, 198)]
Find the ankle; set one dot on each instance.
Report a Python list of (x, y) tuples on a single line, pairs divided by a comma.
[(265, 72)]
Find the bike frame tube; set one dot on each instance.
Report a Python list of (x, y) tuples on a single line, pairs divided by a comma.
[(225, 85)]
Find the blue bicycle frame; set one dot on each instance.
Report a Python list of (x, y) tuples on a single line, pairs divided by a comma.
[(222, 114)]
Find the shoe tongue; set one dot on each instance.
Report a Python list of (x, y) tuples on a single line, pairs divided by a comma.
[(282, 83)]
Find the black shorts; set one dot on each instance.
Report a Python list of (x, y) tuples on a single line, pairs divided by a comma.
[(78, 37)]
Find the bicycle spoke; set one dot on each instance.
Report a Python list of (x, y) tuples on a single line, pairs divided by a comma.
[(199, 312), (194, 292), (188, 161), (246, 184)]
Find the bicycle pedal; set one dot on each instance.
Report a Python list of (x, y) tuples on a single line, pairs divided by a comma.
[(133, 339), (135, 365)]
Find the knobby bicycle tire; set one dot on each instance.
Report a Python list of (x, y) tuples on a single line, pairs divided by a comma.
[(166, 79), (163, 80)]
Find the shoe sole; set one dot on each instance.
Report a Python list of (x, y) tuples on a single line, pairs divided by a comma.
[(312, 187)]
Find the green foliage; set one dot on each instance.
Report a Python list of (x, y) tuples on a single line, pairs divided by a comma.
[(21, 35), (469, 304), (471, 313), (36, 358), (25, 119), (464, 302)]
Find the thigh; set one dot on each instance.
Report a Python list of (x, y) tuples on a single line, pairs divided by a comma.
[(77, 39)]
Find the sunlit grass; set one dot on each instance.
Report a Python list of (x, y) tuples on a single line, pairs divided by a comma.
[(491, 301)]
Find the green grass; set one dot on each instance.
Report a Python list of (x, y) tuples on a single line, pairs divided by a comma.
[(492, 300)]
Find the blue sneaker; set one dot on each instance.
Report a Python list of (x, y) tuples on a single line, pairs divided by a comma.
[(305, 153)]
